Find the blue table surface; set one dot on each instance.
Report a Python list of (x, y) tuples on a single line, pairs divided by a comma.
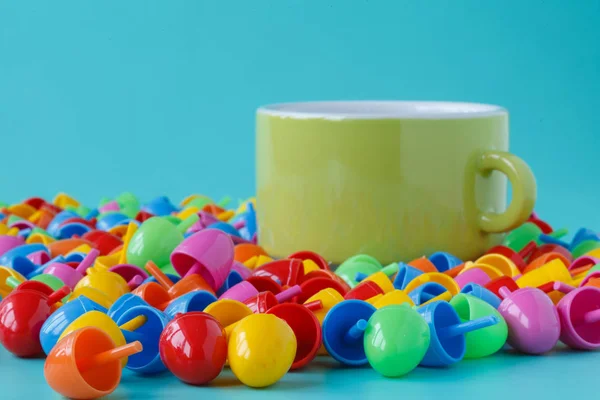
[(506, 375)]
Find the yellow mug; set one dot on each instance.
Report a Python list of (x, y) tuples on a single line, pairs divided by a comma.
[(395, 180)]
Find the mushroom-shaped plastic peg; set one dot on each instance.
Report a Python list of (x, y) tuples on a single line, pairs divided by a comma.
[(86, 364), (532, 319)]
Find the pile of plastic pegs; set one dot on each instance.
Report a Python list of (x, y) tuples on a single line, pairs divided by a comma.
[(156, 288)]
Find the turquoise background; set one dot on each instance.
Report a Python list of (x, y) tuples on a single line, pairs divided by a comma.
[(158, 97)]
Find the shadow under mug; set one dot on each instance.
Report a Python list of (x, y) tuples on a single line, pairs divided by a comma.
[(392, 179)]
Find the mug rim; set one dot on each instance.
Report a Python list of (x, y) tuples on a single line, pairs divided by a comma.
[(381, 109)]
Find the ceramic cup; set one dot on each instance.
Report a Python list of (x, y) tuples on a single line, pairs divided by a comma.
[(392, 179)]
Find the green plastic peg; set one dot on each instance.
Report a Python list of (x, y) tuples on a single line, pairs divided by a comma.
[(396, 340), (156, 239), (482, 342)]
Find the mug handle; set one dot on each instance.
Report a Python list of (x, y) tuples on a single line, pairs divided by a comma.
[(523, 191)]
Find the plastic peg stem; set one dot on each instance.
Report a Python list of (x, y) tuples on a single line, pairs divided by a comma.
[(527, 250), (591, 317), (446, 296), (314, 305), (356, 332), (504, 292), (547, 287), (239, 224), (135, 282), (391, 269), (108, 356), (563, 287), (468, 326), (288, 293), (160, 276), (195, 269), (187, 223), (87, 261), (58, 295), (134, 323), (12, 282)]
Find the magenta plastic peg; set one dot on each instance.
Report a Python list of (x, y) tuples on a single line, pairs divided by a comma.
[(240, 268), (133, 275), (110, 206), (71, 276), (240, 292), (289, 293), (10, 242), (39, 257), (205, 219), (579, 314), (533, 321), (473, 275), (208, 253)]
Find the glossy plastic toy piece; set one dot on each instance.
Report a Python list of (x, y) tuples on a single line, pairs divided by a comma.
[(315, 285), (263, 301), (148, 361), (102, 321), (444, 261), (343, 330), (357, 264), (22, 314), (156, 239), (312, 256), (187, 284), (240, 292), (448, 343), (481, 342), (390, 353), (395, 297), (518, 258), (286, 272), (261, 350), (482, 293), (579, 314), (426, 292), (553, 271), (233, 279), (133, 275), (86, 364), (208, 253), (405, 275), (444, 280), (306, 328), (495, 285), (472, 275), (71, 276), (520, 237), (5, 274), (533, 322), (8, 243), (193, 346), (228, 313), (111, 284), (194, 301), (54, 326), (364, 291)]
